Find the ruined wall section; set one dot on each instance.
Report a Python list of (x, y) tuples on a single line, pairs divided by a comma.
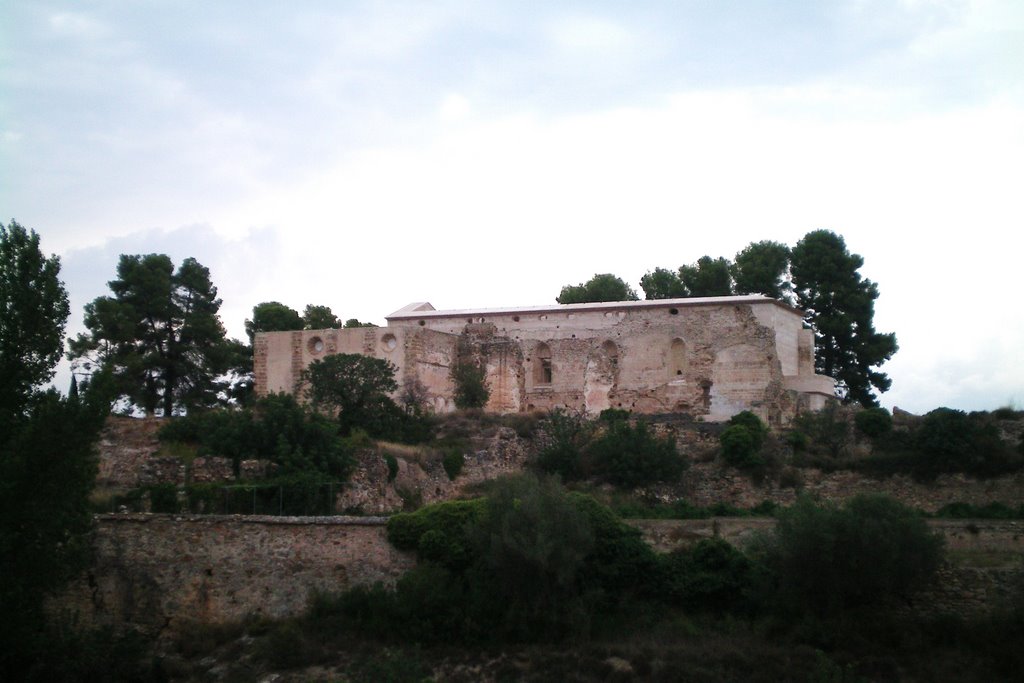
[(418, 354), (707, 357), (166, 572), (711, 361)]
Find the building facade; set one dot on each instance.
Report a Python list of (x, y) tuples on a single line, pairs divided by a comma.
[(709, 357)]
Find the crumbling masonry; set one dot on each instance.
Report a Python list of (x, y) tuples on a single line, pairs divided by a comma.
[(709, 357)]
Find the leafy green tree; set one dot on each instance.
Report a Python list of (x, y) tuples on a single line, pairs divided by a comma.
[(873, 422), (840, 306), (739, 447), (33, 311), (320, 318), (356, 388), (47, 466), (630, 455), (532, 543), (707, 277), (276, 428), (711, 576), (564, 436), (662, 283), (762, 268), (601, 287), (470, 379), (826, 559), (272, 316), (353, 322), (160, 334)]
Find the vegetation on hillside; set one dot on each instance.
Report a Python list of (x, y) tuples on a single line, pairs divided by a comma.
[(47, 462)]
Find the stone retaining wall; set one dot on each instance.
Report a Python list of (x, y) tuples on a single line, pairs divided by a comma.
[(164, 572)]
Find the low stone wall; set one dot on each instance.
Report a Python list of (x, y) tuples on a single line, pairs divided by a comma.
[(984, 570), (705, 484), (164, 572), (964, 535)]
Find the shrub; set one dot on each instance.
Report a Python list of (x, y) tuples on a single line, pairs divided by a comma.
[(613, 415), (825, 559), (470, 380), (527, 563), (392, 463), (531, 544), (873, 422), (711, 575), (450, 519), (629, 455), (797, 440), (453, 462), (564, 436), (277, 428), (951, 441), (738, 447), (827, 429), (757, 429), (163, 498)]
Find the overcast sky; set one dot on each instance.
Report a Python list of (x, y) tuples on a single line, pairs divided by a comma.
[(365, 155)]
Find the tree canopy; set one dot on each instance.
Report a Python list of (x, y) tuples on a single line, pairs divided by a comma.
[(273, 316), (707, 277), (159, 334), (840, 306), (601, 287), (46, 462), (320, 318), (763, 268), (356, 388), (662, 283), (33, 312)]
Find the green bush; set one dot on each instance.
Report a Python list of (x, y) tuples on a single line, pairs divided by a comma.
[(163, 498), (824, 559), (758, 430), (392, 463), (563, 435), (527, 563), (743, 440), (873, 422), (630, 455), (827, 429), (277, 428), (995, 510), (453, 462), (797, 440), (710, 576), (470, 380), (739, 447), (951, 441)]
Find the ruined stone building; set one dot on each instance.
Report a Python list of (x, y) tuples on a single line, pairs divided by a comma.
[(709, 357)]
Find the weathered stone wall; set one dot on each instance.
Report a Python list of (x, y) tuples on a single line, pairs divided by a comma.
[(164, 572), (707, 483), (984, 570), (130, 456), (711, 357)]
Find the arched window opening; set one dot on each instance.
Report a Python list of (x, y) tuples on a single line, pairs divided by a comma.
[(542, 370), (677, 359)]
